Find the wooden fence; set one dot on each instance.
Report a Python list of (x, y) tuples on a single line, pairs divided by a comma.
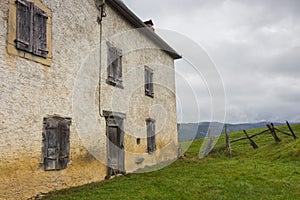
[(271, 129)]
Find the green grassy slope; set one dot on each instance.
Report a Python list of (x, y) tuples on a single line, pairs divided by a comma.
[(270, 172)]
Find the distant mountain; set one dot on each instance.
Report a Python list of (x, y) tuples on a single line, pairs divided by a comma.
[(190, 131)]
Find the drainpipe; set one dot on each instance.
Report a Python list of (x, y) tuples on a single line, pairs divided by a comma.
[(100, 6)]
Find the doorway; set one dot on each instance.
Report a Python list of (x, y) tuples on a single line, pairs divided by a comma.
[(115, 144)]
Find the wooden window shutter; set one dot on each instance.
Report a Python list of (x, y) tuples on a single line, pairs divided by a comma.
[(24, 35), (39, 32), (51, 145), (56, 145), (151, 145), (148, 138), (149, 82), (146, 81), (114, 73), (64, 127), (119, 66), (111, 60)]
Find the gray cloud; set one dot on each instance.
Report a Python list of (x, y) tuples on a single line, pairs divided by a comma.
[(254, 44)]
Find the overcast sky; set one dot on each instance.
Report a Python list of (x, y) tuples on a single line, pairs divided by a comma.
[(255, 45)]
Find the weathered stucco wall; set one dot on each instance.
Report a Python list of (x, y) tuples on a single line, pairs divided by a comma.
[(30, 91), (138, 51)]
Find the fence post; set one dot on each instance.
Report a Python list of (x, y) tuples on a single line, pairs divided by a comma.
[(272, 131), (288, 124), (228, 146), (253, 144)]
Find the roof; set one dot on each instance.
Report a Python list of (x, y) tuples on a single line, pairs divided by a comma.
[(138, 23)]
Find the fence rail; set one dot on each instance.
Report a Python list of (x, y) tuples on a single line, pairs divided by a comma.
[(271, 129)]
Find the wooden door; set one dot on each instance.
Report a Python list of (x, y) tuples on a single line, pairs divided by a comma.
[(115, 149), (113, 157)]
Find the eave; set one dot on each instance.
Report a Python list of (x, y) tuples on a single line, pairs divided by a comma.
[(136, 22)]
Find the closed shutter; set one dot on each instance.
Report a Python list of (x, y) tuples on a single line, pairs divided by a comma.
[(148, 137), (119, 66), (39, 32), (56, 145), (52, 146), (151, 92), (149, 82), (151, 145), (64, 127), (111, 59), (114, 70), (24, 35)]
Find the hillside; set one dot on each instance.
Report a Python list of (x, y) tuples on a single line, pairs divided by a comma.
[(190, 131), (270, 172)]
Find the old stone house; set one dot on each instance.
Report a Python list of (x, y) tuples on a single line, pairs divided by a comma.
[(87, 91)]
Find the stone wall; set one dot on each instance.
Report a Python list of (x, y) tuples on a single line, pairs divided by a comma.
[(30, 91)]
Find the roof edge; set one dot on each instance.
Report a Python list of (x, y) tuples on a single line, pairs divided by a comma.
[(138, 23)]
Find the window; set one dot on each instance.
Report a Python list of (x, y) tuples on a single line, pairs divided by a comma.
[(114, 67), (56, 143), (151, 145), (149, 82), (31, 28), (29, 31)]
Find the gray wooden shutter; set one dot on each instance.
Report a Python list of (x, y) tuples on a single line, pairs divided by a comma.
[(151, 82), (40, 32), (24, 27), (56, 145), (153, 136), (119, 66), (146, 80), (149, 141), (151, 145), (44, 142), (52, 146), (111, 59), (148, 137), (64, 128)]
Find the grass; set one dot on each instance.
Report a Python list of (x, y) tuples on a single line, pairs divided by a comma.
[(270, 172)]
